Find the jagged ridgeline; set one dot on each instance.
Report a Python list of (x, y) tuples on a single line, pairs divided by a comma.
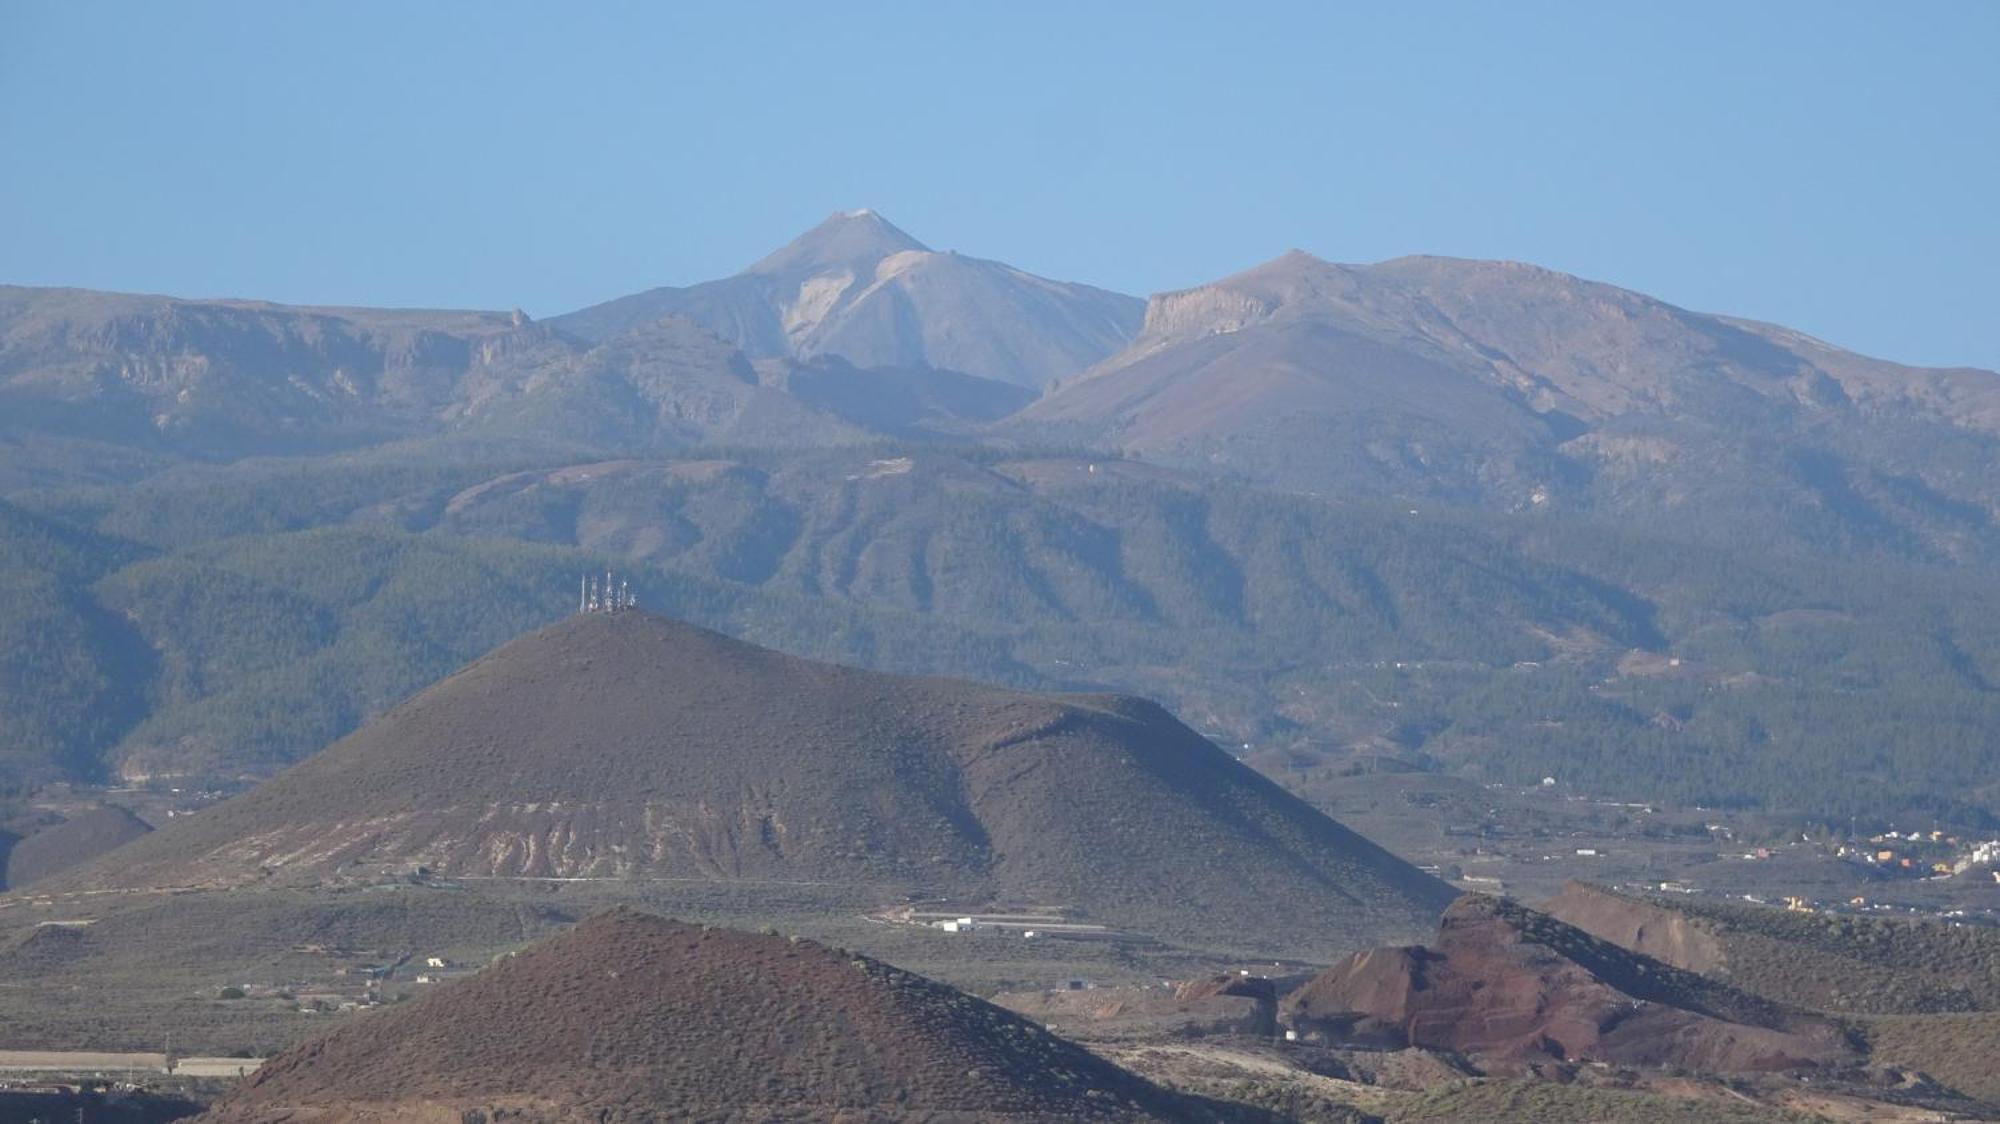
[(614, 745)]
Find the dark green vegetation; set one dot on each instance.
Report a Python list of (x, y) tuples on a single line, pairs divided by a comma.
[(102, 1106), (69, 674), (221, 619), (1471, 517)]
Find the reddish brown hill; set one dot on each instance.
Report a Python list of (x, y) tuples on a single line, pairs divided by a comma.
[(630, 1017), (72, 842), (1511, 985), (616, 746)]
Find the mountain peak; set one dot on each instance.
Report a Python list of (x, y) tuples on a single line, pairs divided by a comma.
[(845, 240), (1290, 264)]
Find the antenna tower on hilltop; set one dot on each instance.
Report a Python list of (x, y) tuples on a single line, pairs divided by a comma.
[(610, 594)]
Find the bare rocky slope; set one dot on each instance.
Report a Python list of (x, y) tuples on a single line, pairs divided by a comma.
[(1511, 986), (88, 376), (629, 1018), (631, 745), (857, 287), (1509, 386)]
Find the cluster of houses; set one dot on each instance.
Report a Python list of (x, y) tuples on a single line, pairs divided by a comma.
[(1928, 854)]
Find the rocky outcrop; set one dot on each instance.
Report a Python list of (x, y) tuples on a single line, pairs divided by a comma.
[(1511, 986), (1666, 935)]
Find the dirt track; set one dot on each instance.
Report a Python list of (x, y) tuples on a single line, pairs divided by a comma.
[(63, 1061)]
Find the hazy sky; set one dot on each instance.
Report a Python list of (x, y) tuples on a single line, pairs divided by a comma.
[(1831, 166)]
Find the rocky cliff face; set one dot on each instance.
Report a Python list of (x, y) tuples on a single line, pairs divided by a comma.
[(1668, 936)]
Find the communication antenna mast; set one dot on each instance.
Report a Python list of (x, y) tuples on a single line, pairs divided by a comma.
[(611, 594)]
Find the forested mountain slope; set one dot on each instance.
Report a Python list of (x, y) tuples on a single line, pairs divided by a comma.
[(1313, 631)]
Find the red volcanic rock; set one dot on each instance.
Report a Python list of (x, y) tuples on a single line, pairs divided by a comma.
[(1511, 985)]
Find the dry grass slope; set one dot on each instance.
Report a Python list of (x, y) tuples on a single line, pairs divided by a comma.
[(1828, 962), (630, 1017), (1959, 1049), (71, 843), (634, 746), (1525, 1102)]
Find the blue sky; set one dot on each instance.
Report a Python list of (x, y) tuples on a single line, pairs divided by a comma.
[(1832, 166)]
